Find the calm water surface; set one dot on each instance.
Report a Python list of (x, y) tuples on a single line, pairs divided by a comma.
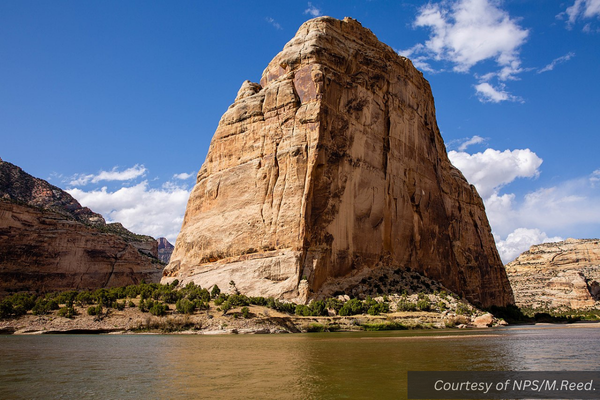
[(298, 366)]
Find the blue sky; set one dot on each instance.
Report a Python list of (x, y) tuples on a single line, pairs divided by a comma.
[(117, 101)]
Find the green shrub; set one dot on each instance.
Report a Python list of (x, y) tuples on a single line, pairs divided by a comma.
[(405, 305), (95, 310), (334, 304), (289, 308), (245, 312), (423, 305), (67, 312), (352, 307), (84, 298), (221, 298), (302, 310), (158, 308), (318, 308), (43, 306), (6, 309), (215, 292), (184, 306), (259, 301), (225, 306), (142, 305), (237, 300), (378, 308), (463, 309)]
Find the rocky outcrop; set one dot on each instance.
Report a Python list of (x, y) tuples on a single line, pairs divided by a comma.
[(49, 242), (165, 249), (333, 166), (557, 275)]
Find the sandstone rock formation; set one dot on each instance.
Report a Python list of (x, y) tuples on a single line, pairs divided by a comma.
[(49, 242), (333, 166), (557, 275), (165, 249)]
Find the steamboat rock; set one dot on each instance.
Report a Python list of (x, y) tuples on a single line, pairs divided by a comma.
[(557, 275), (328, 169), (49, 242)]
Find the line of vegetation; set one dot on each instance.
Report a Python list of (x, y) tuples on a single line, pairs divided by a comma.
[(158, 299)]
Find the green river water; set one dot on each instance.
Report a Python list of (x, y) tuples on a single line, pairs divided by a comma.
[(287, 366)]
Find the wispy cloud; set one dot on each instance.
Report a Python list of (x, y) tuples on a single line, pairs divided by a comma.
[(112, 175), (470, 141), (274, 23), (489, 94), (581, 9), (183, 176), (312, 10), (556, 61)]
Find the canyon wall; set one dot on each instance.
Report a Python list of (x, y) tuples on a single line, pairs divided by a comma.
[(49, 242)]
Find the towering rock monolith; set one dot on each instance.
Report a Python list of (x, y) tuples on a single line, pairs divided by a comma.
[(328, 169), (49, 242)]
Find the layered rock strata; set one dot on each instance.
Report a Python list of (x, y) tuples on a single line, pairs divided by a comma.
[(49, 242), (333, 166), (557, 275)]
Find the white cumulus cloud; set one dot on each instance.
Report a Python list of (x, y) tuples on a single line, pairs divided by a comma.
[(467, 32), (493, 169), (567, 209), (520, 240), (143, 210), (112, 175)]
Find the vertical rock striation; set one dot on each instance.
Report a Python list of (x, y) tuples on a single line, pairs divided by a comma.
[(331, 167)]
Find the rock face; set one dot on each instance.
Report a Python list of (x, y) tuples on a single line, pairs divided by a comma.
[(557, 275), (49, 242), (331, 167), (165, 249)]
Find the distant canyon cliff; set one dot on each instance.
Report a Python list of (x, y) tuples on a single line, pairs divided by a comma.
[(49, 242), (557, 275), (330, 168), (165, 249)]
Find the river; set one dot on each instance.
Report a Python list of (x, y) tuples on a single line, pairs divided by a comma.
[(366, 365)]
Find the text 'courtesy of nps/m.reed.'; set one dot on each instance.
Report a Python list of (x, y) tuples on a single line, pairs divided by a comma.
[(503, 384)]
